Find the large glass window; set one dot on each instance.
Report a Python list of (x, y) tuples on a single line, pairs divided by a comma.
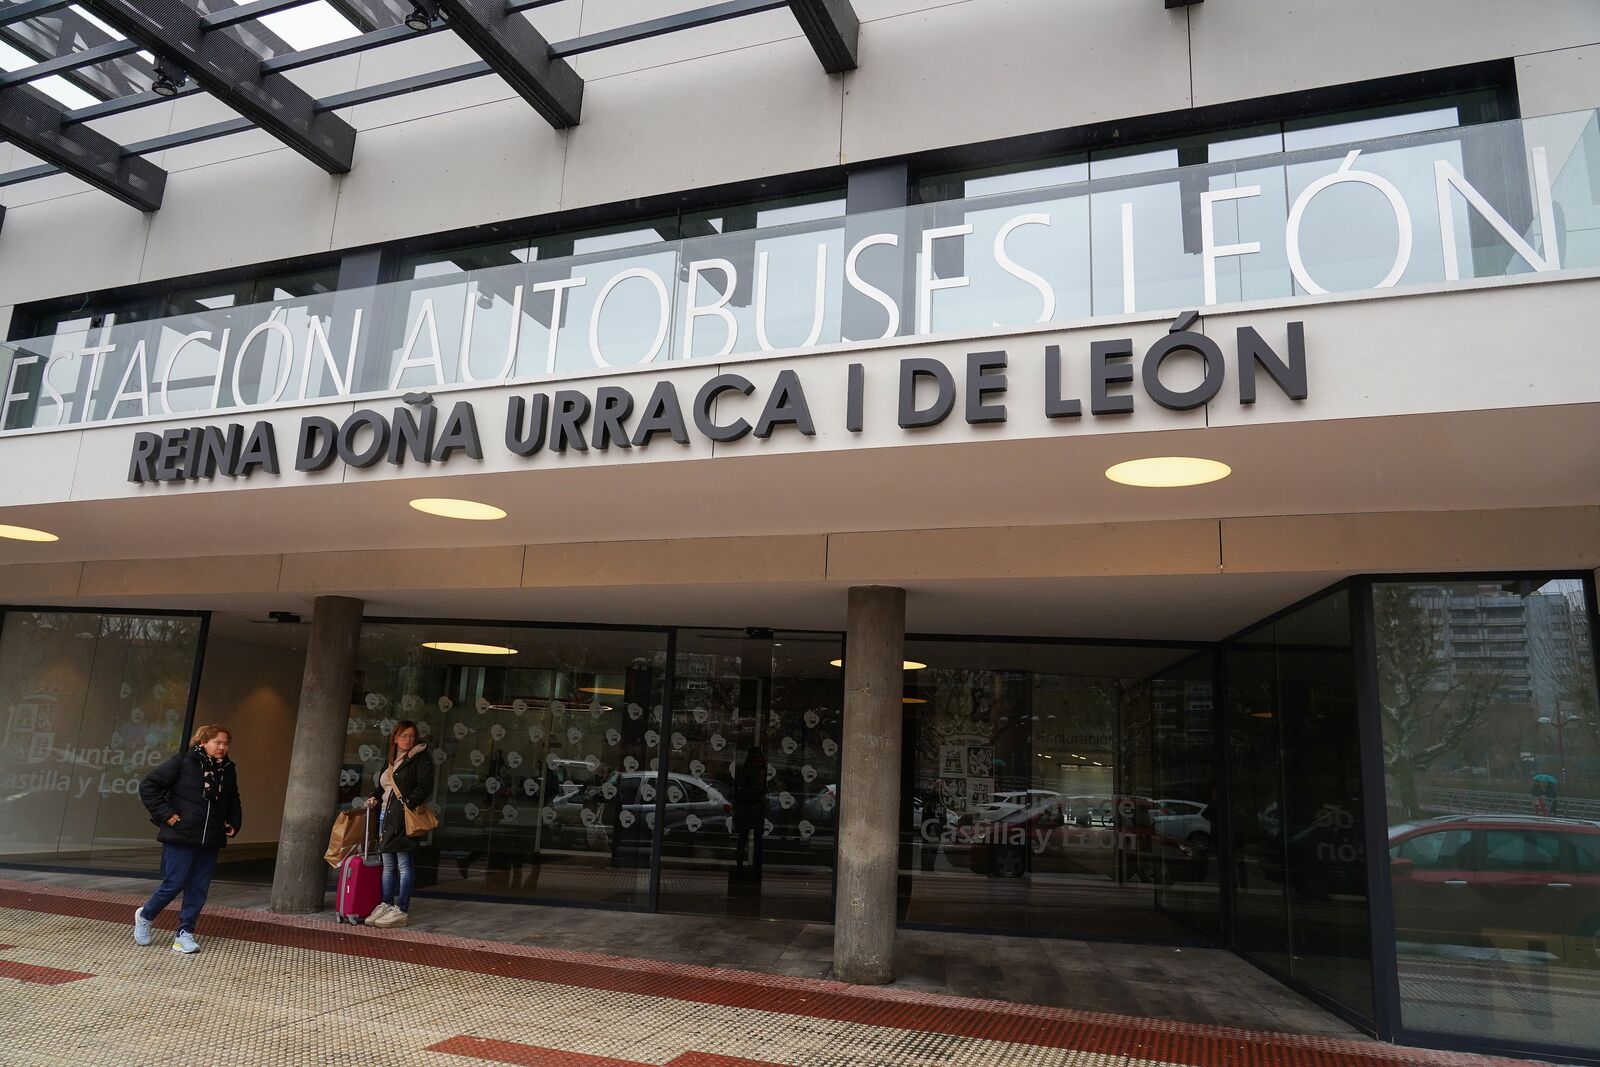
[(753, 774), (88, 703), (1062, 789), (1492, 769), (543, 741), (1300, 872)]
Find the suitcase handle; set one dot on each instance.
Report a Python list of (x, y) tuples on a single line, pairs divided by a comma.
[(366, 832)]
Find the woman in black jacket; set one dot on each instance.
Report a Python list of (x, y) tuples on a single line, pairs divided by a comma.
[(406, 781), (194, 799)]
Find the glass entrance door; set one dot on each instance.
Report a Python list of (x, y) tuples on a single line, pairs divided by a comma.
[(752, 777)]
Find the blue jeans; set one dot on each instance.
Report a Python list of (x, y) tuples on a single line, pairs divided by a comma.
[(397, 878), (185, 869)]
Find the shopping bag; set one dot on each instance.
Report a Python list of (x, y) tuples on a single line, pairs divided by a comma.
[(348, 828)]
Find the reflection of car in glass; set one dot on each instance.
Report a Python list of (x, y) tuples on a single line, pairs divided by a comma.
[(692, 804), (1185, 819), (1530, 883), (1109, 837), (1005, 803), (951, 818), (822, 807)]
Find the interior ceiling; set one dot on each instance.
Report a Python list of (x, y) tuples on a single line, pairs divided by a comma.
[(1510, 458)]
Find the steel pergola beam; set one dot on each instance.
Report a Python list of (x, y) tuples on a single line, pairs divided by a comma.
[(832, 28), (369, 15), (58, 33), (71, 61), (33, 121), (519, 54), (31, 8), (232, 73)]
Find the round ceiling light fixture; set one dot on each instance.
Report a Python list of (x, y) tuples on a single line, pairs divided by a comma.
[(910, 664), (1168, 472), (469, 648), (451, 508), (26, 533)]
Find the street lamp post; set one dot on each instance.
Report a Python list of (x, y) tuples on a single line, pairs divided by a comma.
[(1560, 721)]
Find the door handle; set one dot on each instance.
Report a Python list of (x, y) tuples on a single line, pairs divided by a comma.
[(1455, 881), (1558, 885)]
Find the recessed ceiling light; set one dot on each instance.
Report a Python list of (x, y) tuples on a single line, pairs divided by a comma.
[(602, 691), (910, 664), (450, 508), (469, 648), (1167, 472), (24, 533)]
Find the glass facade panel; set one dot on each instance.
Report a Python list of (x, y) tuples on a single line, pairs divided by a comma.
[(539, 738), (88, 703), (798, 275), (753, 775), (1492, 771), (1059, 789), (1300, 873)]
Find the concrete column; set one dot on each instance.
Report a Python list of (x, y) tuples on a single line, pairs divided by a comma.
[(319, 732), (869, 786)]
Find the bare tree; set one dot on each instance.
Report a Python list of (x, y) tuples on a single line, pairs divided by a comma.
[(1429, 707)]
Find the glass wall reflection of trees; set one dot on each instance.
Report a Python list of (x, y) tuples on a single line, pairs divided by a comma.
[(542, 739), (1063, 789), (1491, 730)]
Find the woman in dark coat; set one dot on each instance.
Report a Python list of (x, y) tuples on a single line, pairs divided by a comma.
[(406, 781), (194, 799)]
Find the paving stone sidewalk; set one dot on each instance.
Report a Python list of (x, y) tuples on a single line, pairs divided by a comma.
[(74, 989)]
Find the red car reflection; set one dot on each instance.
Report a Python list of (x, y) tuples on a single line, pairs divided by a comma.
[(1528, 885)]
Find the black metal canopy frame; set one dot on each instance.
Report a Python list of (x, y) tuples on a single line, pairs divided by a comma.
[(161, 49)]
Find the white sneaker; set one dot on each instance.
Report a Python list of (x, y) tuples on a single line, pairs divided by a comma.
[(185, 943), (143, 929), (377, 913)]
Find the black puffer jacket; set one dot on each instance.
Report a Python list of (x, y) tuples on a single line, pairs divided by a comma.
[(177, 787), (413, 782)]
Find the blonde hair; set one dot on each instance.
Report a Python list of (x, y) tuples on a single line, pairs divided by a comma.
[(202, 734)]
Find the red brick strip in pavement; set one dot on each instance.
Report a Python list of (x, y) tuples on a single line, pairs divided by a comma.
[(485, 1048), (1190, 1044), (27, 972)]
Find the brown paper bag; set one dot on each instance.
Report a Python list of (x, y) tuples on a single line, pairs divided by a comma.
[(348, 829)]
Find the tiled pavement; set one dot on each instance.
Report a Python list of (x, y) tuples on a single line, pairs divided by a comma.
[(277, 990), (1155, 981)]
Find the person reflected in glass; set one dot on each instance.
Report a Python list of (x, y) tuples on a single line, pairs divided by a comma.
[(406, 781), (930, 827), (749, 809), (194, 799)]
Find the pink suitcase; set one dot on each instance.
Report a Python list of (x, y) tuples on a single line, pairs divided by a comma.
[(360, 883)]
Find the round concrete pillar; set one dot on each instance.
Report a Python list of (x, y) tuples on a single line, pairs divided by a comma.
[(869, 786), (301, 874)]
